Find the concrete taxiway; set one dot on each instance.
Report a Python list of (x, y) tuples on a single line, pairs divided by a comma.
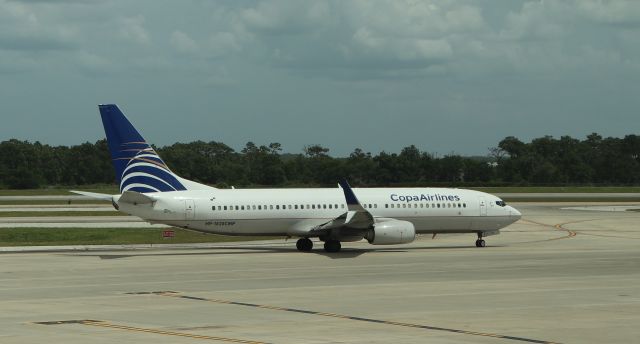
[(558, 275)]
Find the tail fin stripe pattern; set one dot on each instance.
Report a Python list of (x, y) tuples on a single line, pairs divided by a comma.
[(170, 183), (144, 178), (139, 188), (153, 170), (138, 166)]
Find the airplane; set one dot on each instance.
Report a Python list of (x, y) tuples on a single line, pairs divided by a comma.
[(382, 216)]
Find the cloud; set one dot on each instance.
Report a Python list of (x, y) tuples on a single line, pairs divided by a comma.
[(183, 43), (285, 17), (611, 12), (223, 43), (377, 39), (22, 29), (132, 29)]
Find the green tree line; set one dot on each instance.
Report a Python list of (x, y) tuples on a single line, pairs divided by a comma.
[(543, 161)]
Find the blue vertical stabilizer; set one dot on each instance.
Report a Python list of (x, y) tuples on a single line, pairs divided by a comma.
[(138, 167)]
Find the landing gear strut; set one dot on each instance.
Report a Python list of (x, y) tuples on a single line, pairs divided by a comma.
[(480, 242), (332, 246), (304, 244)]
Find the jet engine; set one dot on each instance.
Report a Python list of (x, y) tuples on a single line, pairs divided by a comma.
[(391, 232)]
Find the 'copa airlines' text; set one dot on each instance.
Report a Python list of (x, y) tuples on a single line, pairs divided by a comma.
[(423, 197)]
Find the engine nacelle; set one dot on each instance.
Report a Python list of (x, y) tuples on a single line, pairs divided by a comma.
[(391, 232)]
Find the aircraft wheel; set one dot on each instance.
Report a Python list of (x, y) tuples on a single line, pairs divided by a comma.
[(480, 243), (332, 246), (304, 244)]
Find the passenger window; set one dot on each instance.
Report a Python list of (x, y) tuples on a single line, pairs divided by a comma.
[(271, 206), (375, 206), (464, 205), (386, 205), (259, 207), (342, 206), (324, 206), (438, 205), (213, 208), (336, 206), (237, 207), (313, 206)]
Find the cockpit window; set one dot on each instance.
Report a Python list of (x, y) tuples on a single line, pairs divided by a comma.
[(501, 203)]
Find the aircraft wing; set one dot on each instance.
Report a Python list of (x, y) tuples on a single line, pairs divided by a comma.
[(132, 197), (356, 218)]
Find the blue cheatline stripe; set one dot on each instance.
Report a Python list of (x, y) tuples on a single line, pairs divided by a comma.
[(150, 181), (158, 172)]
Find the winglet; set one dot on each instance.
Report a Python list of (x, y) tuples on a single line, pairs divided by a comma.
[(348, 193), (350, 197)]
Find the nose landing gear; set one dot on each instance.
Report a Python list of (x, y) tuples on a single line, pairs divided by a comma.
[(480, 242)]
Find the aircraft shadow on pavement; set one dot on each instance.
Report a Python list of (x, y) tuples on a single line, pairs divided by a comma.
[(239, 250)]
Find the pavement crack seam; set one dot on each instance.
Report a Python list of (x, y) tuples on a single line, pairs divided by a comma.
[(105, 324), (347, 317), (558, 226)]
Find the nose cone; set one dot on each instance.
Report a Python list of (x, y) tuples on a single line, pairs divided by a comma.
[(514, 214)]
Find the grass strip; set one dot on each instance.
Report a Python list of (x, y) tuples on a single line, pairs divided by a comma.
[(51, 202), (59, 213), (108, 236), (58, 192), (569, 199), (559, 189)]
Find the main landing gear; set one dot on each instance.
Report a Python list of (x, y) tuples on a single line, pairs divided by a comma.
[(304, 244), (332, 246), (480, 242)]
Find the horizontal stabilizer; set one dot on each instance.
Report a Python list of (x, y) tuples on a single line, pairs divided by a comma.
[(104, 197), (134, 197)]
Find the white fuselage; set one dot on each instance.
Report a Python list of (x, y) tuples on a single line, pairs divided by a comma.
[(295, 212)]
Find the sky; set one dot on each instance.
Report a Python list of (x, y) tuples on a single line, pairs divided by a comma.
[(449, 76)]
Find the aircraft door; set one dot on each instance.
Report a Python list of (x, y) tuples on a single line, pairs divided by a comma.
[(189, 209), (483, 206)]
